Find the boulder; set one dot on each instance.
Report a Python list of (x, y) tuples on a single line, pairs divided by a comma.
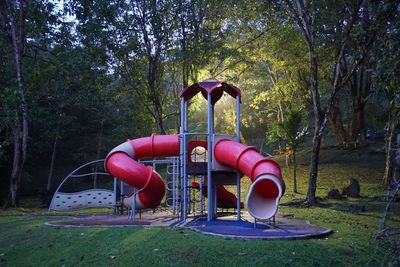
[(352, 189), (334, 193)]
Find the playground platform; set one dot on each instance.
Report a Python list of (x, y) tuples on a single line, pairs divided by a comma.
[(226, 226)]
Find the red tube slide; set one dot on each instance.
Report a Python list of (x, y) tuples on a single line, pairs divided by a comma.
[(225, 199), (267, 188), (121, 163)]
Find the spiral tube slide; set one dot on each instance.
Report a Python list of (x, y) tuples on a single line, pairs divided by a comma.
[(122, 163), (267, 187)]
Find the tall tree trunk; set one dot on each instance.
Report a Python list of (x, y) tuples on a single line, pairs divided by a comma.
[(359, 87), (20, 135), (185, 63), (304, 13), (159, 120), (335, 120), (389, 141), (358, 120), (16, 171), (312, 180), (313, 175)]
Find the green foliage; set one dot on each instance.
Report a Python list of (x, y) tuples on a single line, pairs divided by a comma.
[(86, 68), (291, 130)]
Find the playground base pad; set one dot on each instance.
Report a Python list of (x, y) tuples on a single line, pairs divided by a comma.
[(226, 226)]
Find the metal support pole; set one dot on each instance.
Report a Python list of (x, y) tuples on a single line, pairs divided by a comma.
[(173, 186), (115, 196), (201, 194), (132, 210), (121, 197), (210, 184), (181, 161), (184, 160), (238, 140)]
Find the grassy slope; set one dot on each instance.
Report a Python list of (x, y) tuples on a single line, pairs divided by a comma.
[(26, 241)]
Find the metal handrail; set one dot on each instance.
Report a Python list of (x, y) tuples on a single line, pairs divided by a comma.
[(88, 174)]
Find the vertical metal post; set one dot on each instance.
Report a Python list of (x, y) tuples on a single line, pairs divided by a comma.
[(115, 196), (210, 184), (185, 128), (173, 185), (132, 210), (121, 196), (238, 140), (201, 194), (181, 161), (184, 147)]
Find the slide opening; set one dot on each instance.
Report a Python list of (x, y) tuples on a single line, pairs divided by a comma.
[(263, 197)]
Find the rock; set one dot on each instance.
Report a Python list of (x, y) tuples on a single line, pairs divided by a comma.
[(352, 189), (334, 193)]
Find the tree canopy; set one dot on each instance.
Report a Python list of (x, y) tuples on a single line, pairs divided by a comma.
[(78, 77)]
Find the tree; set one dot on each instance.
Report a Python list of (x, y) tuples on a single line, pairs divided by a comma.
[(14, 15), (293, 132), (386, 78), (305, 14)]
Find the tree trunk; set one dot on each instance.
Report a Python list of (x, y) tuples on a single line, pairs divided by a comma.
[(335, 120), (313, 175), (16, 171), (304, 13), (159, 120), (312, 180), (389, 140), (294, 171), (358, 120), (20, 135), (359, 88), (185, 63)]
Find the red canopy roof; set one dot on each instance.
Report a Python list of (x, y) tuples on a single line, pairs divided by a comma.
[(214, 87)]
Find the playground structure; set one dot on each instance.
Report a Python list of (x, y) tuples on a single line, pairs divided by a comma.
[(227, 161), (224, 161), (198, 164)]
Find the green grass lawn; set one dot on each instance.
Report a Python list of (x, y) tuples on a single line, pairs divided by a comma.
[(26, 241)]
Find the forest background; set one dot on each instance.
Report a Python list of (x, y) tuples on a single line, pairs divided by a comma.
[(79, 77)]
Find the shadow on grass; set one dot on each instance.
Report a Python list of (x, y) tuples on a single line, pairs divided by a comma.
[(367, 206)]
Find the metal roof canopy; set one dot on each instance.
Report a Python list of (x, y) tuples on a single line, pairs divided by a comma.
[(214, 87)]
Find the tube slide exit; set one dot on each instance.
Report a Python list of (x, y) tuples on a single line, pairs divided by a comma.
[(267, 188)]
